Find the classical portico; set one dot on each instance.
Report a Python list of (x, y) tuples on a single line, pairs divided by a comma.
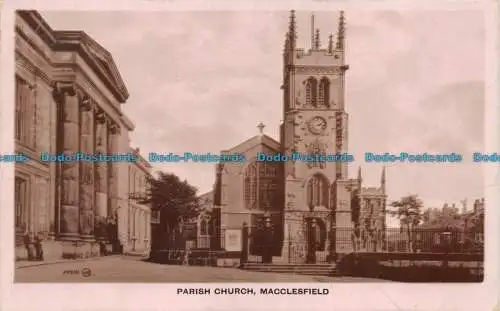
[(68, 100), (88, 200)]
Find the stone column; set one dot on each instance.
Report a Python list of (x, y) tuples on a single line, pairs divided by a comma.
[(141, 229), (148, 230), (112, 147), (101, 176), (69, 208), (87, 171)]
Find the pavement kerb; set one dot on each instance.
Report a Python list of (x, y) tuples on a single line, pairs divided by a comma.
[(45, 263)]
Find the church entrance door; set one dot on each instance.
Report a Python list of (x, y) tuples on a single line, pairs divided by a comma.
[(311, 240)]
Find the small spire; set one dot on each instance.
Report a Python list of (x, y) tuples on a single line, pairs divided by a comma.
[(261, 127), (292, 30), (341, 32), (382, 179), (359, 175), (317, 42), (330, 43), (287, 42), (313, 43)]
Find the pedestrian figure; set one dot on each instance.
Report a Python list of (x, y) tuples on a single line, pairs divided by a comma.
[(185, 261), (28, 244), (38, 248), (374, 241), (102, 249)]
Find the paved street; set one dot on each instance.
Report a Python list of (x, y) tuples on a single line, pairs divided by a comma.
[(129, 269)]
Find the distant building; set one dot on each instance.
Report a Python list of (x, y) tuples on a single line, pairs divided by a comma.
[(474, 221), (465, 229), (138, 235), (478, 206)]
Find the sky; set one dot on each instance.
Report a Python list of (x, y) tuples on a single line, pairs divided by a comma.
[(201, 82)]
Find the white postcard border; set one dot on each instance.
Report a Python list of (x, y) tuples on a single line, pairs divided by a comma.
[(344, 296)]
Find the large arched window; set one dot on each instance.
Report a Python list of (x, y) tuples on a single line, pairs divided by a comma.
[(204, 227), (317, 191), (324, 92), (311, 92), (203, 231), (250, 193), (261, 186)]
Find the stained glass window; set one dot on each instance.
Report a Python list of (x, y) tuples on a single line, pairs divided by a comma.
[(204, 227), (250, 193), (260, 185)]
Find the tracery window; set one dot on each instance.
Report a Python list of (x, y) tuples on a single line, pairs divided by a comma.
[(204, 231), (311, 92), (317, 191), (250, 194), (204, 227), (324, 92), (260, 185)]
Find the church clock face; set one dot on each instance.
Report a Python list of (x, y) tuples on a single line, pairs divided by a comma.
[(317, 125)]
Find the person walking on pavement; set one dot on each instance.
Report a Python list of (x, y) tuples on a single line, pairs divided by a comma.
[(38, 248), (29, 245)]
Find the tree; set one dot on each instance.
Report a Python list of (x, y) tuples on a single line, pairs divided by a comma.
[(409, 210), (443, 219), (176, 201), (477, 221)]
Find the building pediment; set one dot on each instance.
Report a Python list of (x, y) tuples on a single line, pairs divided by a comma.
[(253, 142), (98, 58)]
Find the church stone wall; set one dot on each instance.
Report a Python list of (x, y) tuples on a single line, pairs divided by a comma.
[(343, 215), (234, 212), (317, 58)]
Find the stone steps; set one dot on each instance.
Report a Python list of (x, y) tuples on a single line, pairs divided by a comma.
[(303, 269)]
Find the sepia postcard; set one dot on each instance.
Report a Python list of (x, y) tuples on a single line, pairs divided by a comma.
[(249, 154)]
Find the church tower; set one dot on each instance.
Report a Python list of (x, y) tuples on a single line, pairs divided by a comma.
[(314, 123)]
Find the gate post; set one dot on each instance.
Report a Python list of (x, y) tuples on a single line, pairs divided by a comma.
[(311, 241), (332, 252), (244, 244)]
